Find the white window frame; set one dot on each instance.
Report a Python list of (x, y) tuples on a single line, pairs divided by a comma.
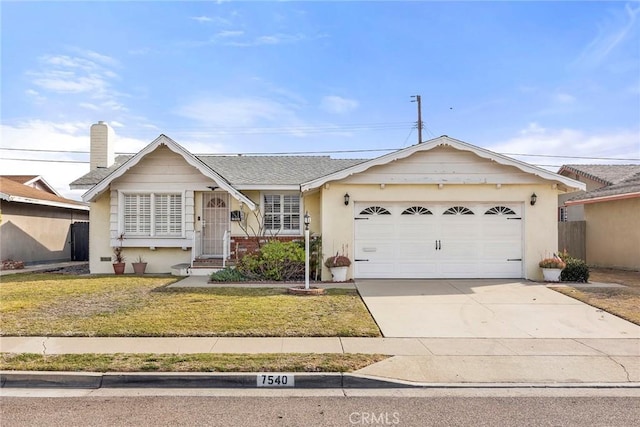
[(152, 221), (281, 230)]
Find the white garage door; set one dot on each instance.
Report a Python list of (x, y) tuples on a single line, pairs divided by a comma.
[(453, 240)]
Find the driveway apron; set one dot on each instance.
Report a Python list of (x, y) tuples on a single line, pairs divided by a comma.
[(484, 309)]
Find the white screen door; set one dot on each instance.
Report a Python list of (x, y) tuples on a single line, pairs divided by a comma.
[(215, 221)]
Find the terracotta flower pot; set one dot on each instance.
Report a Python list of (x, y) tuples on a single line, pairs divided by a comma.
[(118, 267), (139, 267)]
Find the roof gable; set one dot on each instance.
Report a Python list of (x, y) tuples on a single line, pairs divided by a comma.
[(445, 141), (14, 191), (35, 181), (164, 140)]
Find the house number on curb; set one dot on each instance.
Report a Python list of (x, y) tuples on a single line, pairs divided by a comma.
[(275, 380)]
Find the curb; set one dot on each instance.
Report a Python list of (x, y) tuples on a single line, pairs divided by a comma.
[(304, 380)]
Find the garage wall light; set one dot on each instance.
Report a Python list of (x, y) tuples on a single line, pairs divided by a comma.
[(346, 199), (534, 199)]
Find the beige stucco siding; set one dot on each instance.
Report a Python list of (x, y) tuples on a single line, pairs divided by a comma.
[(540, 225), (36, 233), (101, 252), (613, 234)]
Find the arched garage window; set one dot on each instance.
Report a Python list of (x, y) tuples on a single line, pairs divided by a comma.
[(416, 210), (499, 210), (375, 210), (458, 210)]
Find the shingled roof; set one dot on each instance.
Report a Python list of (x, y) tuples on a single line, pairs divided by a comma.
[(246, 171), (13, 191), (627, 188), (606, 174)]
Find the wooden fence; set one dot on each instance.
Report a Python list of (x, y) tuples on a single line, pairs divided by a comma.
[(572, 237)]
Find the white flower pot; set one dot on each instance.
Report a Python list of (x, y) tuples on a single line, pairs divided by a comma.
[(551, 274), (339, 273)]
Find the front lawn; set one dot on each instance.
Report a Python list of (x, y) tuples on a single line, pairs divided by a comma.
[(188, 362), (61, 305)]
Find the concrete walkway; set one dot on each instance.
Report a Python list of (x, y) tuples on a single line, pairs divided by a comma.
[(416, 360)]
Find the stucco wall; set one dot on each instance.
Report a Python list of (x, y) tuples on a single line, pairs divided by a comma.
[(613, 234), (101, 252), (36, 233), (540, 223)]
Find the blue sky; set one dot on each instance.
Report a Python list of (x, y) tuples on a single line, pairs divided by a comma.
[(559, 78)]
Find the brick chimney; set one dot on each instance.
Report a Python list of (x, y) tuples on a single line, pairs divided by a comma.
[(101, 152)]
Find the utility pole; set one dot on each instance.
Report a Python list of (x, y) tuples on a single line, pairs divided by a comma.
[(419, 123)]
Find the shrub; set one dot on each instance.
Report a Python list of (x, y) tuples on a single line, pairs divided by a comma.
[(227, 274), (576, 269), (279, 261)]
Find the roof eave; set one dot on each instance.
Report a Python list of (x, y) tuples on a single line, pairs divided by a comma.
[(29, 200), (601, 199)]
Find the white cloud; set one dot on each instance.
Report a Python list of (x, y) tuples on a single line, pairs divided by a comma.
[(612, 33), (229, 33), (44, 135), (238, 111), (564, 98), (338, 105), (88, 76), (201, 18), (567, 143)]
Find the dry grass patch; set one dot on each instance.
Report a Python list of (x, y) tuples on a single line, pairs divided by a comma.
[(622, 302), (54, 305), (188, 362)]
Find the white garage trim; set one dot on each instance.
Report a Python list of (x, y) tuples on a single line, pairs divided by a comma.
[(438, 240)]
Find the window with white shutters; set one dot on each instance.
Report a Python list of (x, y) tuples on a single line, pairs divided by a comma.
[(281, 213), (168, 214), (152, 214), (137, 214)]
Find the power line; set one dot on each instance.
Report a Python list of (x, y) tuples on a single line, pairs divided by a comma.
[(284, 153), (45, 160)]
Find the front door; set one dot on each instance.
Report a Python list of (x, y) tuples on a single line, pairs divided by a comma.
[(215, 221)]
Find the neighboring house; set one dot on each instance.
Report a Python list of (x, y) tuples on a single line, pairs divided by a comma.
[(594, 177), (35, 222), (439, 209), (612, 214)]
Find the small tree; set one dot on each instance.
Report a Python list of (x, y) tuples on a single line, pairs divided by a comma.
[(256, 233)]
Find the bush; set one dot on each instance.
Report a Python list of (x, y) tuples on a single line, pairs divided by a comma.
[(227, 275), (576, 269), (279, 261)]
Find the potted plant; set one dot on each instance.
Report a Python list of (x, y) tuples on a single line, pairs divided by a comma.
[(338, 265), (551, 268), (118, 257), (139, 266)]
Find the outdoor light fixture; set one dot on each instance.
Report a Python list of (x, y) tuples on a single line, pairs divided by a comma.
[(346, 199), (307, 220), (534, 198)]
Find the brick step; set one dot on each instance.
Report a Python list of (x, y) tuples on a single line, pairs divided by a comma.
[(209, 263)]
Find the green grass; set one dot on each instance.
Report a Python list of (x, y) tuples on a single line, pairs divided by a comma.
[(60, 305), (188, 362)]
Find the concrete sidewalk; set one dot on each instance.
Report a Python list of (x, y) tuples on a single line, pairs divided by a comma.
[(414, 360)]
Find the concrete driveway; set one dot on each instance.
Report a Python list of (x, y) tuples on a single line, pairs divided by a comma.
[(484, 309)]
